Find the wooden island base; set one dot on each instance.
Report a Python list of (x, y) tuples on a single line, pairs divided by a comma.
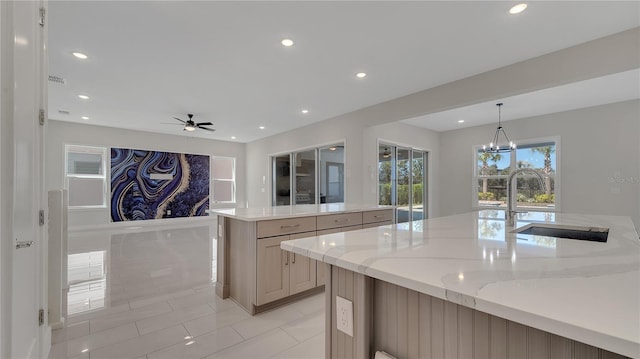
[(408, 324)]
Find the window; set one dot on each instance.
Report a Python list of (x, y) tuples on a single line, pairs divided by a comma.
[(85, 176), (492, 172), (224, 180), (312, 176), (402, 181)]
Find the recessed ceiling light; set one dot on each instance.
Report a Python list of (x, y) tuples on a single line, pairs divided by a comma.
[(361, 75), (233, 137), (460, 121), (518, 8), (84, 117), (261, 127), (287, 42), (305, 111), (84, 97), (80, 55)]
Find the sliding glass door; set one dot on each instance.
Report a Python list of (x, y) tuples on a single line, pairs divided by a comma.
[(402, 181), (418, 185), (309, 177)]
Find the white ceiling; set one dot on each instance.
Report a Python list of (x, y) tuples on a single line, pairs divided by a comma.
[(152, 60), (594, 92)]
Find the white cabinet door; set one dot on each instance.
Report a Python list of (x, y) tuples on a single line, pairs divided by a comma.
[(272, 277)]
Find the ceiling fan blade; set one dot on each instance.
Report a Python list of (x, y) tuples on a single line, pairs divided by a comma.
[(204, 128), (170, 123), (179, 120), (204, 124)]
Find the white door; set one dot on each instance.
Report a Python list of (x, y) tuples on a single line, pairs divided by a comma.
[(22, 143)]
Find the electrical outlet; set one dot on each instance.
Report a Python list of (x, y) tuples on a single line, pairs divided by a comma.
[(344, 315), (168, 212)]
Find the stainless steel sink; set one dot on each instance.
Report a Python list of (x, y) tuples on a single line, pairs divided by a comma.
[(559, 231)]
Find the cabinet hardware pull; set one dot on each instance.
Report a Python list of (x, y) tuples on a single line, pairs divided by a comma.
[(290, 226), (286, 259), (341, 220), (293, 261), (23, 244)]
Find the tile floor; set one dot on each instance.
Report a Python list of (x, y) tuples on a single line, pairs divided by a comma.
[(139, 294)]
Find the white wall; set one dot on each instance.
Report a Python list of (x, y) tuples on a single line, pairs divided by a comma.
[(60, 133), (361, 155), (597, 143), (312, 136)]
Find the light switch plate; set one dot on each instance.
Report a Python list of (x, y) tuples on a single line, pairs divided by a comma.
[(344, 315)]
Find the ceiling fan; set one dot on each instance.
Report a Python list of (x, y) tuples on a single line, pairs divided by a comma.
[(190, 125)]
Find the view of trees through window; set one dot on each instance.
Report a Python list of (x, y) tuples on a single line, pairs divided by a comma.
[(402, 182), (384, 172), (493, 169)]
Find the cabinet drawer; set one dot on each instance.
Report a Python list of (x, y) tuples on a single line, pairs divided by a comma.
[(339, 220), (377, 216), (279, 227), (339, 230), (376, 224)]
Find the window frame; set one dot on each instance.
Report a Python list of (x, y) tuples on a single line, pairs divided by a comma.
[(214, 179), (426, 157), (102, 151), (513, 161), (318, 172)]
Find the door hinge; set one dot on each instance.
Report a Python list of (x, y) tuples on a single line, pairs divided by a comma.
[(41, 216), (41, 117), (43, 14), (41, 317)]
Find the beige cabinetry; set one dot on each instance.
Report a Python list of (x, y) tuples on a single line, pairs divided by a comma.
[(278, 227), (258, 275), (281, 273), (333, 221), (377, 218), (303, 270)]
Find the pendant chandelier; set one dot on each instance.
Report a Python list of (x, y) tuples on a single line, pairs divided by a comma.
[(494, 146)]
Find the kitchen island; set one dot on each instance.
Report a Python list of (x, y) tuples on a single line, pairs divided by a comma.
[(466, 286), (256, 273)]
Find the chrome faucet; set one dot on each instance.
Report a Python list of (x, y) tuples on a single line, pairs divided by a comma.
[(511, 213)]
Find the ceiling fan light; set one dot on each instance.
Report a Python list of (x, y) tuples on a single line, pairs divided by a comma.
[(189, 128)]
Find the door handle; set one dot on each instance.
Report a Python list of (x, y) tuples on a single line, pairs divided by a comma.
[(23, 244)]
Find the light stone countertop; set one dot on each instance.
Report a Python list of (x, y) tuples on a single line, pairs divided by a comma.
[(301, 210), (582, 290)]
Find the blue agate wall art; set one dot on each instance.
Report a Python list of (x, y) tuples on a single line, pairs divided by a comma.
[(153, 185)]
